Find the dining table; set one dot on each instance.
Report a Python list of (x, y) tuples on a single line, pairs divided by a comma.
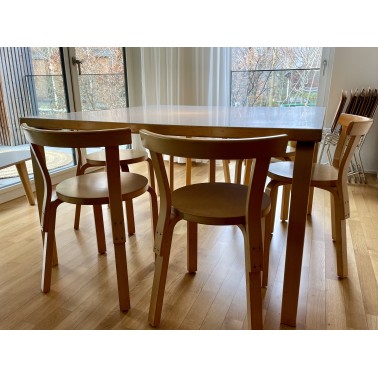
[(302, 124)]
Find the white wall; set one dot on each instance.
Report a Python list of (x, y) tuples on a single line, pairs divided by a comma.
[(356, 67)]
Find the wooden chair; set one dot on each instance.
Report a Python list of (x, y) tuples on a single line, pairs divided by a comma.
[(18, 159), (91, 189), (126, 157), (212, 203), (332, 178), (362, 103)]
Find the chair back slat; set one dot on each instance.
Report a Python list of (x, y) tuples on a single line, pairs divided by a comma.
[(207, 148), (38, 138), (77, 139)]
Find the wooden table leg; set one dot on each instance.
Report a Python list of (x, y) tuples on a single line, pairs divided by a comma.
[(296, 231)]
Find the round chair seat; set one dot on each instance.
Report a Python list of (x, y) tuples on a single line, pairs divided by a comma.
[(92, 188), (214, 203), (125, 157), (322, 175)]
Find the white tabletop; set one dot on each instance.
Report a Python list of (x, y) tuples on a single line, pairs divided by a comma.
[(300, 123)]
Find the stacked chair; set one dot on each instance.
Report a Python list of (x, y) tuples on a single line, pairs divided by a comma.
[(363, 103)]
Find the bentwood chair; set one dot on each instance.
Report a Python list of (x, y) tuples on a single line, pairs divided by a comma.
[(214, 203), (332, 178), (91, 189), (126, 158)]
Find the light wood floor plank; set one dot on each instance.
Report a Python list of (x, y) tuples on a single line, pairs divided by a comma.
[(84, 290)]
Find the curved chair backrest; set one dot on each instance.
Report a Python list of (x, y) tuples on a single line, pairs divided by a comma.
[(353, 128), (77, 139), (110, 139), (260, 149), (208, 148)]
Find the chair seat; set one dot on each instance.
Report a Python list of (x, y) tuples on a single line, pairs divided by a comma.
[(125, 157), (214, 203), (322, 175), (92, 188)]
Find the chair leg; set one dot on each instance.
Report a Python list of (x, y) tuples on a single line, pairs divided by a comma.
[(267, 238), (248, 170), (238, 171), (154, 208), (151, 173), (188, 167), (254, 300), (192, 242), (333, 228), (48, 248), (286, 189), (226, 170), (129, 208), (100, 232), (340, 234), (310, 200), (162, 249), (171, 174), (253, 281), (271, 190), (55, 261), (130, 217), (80, 171), (362, 170), (122, 275), (77, 217)]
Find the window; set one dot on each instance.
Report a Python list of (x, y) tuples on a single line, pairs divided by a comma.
[(275, 76), (45, 80)]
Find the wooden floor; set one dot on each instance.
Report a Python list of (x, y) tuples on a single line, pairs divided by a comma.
[(84, 295)]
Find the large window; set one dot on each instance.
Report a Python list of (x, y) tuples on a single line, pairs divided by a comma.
[(275, 76), (49, 80)]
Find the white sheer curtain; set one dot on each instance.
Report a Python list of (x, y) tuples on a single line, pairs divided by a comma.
[(178, 76)]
